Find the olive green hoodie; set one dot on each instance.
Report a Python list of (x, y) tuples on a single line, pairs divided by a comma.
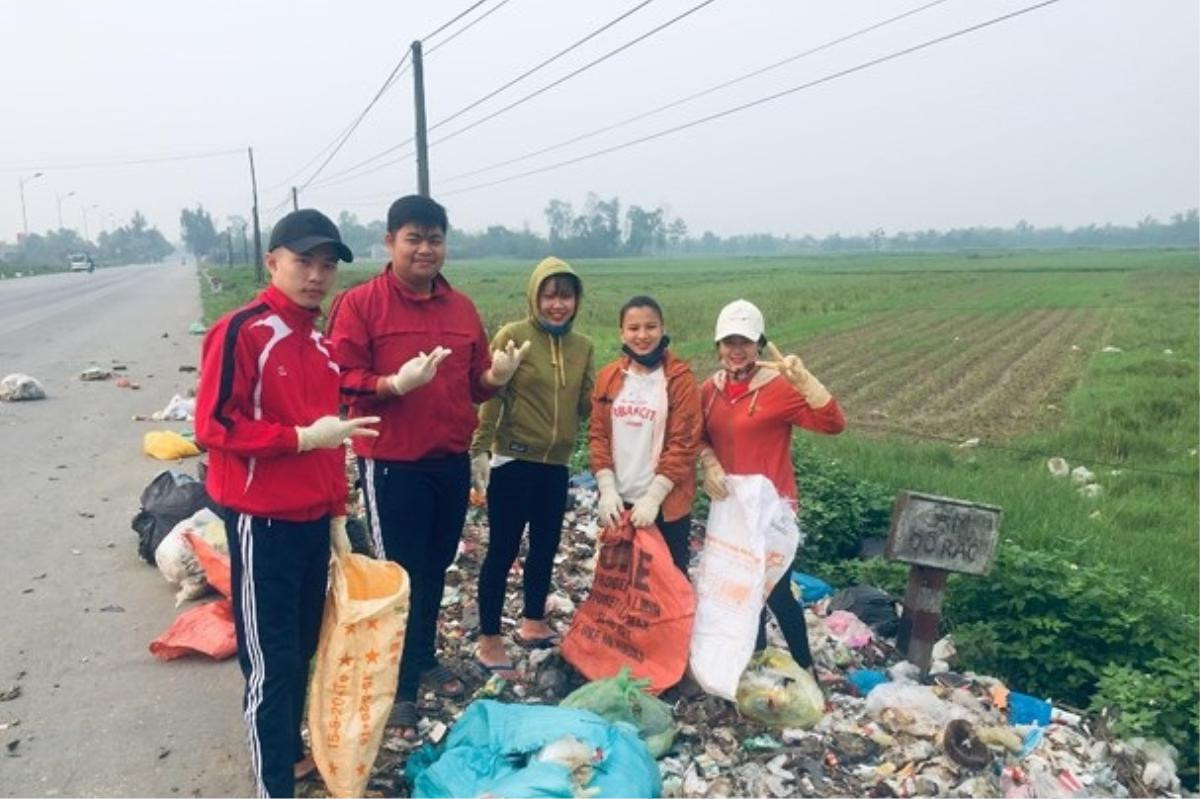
[(536, 416)]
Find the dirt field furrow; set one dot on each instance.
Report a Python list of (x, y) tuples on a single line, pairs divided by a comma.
[(936, 362)]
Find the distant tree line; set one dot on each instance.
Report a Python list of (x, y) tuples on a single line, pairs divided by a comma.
[(132, 243), (603, 228)]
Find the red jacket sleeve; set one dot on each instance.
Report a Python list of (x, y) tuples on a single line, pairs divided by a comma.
[(224, 399), (351, 342), (826, 419)]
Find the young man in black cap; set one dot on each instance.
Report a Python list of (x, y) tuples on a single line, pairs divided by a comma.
[(267, 411)]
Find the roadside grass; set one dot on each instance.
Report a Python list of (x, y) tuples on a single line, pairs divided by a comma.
[(925, 351), (8, 271)]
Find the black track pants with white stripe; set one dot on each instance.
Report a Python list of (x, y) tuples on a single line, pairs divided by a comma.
[(279, 571), (416, 511)]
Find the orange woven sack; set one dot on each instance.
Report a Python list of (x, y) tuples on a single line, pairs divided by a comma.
[(639, 612)]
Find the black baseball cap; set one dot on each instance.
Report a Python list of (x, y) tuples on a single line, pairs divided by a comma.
[(306, 229)]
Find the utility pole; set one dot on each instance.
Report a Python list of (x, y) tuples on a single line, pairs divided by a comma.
[(229, 246), (295, 201), (258, 265), (419, 99)]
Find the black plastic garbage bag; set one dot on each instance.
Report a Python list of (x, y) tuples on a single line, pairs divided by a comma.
[(170, 498), (874, 607)]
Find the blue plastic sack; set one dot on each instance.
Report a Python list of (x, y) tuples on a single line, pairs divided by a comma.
[(1025, 709), (864, 680), (493, 749), (811, 588)]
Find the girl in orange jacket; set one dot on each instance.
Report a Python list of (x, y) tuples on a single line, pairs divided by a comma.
[(750, 407), (644, 433)]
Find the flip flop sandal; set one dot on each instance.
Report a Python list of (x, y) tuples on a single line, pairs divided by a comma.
[(440, 676), (543, 642), (506, 670), (404, 714)]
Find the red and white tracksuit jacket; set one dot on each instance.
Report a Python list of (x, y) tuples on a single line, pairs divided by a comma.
[(264, 371)]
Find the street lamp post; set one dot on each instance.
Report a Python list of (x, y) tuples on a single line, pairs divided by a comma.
[(21, 185), (60, 198)]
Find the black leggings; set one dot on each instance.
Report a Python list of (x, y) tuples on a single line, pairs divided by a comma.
[(521, 493), (790, 615)]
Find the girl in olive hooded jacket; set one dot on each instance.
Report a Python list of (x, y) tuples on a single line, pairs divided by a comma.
[(520, 452)]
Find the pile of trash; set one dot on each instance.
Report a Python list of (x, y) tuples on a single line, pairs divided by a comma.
[(868, 725)]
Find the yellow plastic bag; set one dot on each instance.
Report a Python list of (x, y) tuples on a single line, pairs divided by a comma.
[(167, 445), (774, 690), (358, 660)]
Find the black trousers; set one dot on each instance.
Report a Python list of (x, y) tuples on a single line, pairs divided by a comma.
[(521, 493), (278, 571), (416, 511), (790, 615), (677, 534)]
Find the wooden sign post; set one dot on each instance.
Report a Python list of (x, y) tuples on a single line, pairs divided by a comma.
[(937, 535)]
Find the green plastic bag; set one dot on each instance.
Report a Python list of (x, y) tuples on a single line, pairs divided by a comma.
[(774, 690), (622, 698)]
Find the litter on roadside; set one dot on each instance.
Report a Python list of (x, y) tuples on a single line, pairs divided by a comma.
[(19, 388)]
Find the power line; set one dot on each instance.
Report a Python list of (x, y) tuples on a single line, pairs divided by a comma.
[(699, 94), (543, 64), (757, 102), (508, 107), (344, 176), (136, 162), (466, 27), (387, 84), (576, 72), (451, 21), (288, 180)]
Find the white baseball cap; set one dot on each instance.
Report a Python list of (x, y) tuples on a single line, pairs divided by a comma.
[(740, 318)]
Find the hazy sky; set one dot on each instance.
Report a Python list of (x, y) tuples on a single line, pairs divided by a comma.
[(1086, 110)]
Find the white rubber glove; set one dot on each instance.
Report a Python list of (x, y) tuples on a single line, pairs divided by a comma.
[(714, 475), (417, 371), (792, 368), (610, 507), (505, 363), (645, 510), (329, 432), (339, 541), (481, 470)]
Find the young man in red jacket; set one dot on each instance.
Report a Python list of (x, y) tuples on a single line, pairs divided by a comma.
[(413, 350), (266, 410)]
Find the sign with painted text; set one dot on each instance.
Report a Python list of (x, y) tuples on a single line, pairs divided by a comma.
[(943, 533)]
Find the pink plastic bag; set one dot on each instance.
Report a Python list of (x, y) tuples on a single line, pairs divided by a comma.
[(848, 628)]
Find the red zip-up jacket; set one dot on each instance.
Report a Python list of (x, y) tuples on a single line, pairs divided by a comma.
[(750, 431), (265, 370), (378, 325)]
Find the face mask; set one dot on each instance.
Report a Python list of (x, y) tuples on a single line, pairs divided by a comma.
[(652, 358), (553, 329)]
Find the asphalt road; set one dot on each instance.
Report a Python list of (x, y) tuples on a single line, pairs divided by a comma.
[(97, 715)]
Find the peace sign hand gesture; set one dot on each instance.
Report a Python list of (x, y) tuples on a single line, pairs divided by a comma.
[(795, 372)]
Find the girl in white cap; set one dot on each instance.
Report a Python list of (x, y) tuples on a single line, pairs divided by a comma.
[(750, 407)]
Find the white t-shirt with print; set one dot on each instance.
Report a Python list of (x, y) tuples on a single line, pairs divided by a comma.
[(639, 426)]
